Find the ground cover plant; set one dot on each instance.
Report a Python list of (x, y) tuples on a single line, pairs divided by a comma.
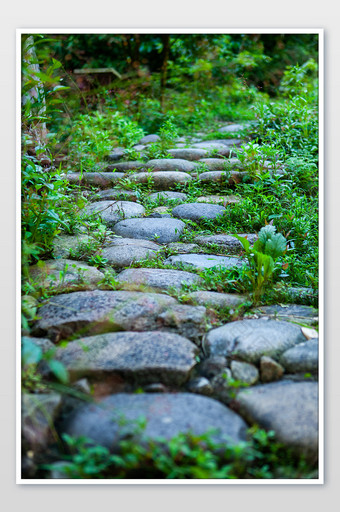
[(244, 103)]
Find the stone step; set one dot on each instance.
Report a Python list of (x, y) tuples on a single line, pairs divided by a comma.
[(204, 261), (166, 414), (157, 278), (140, 357), (161, 180), (111, 212), (98, 179), (161, 230)]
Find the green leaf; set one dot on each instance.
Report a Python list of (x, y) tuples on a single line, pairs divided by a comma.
[(245, 243), (266, 233), (276, 246), (59, 370)]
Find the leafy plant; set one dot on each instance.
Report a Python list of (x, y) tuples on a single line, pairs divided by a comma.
[(261, 257)]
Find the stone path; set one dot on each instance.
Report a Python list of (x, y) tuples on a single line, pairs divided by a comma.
[(155, 331)]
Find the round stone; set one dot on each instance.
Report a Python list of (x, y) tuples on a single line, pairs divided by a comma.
[(228, 242), (162, 180), (170, 164), (143, 357), (112, 212), (167, 415), (148, 139), (249, 340), (198, 211), (122, 255), (230, 128), (230, 176), (215, 299), (159, 230), (191, 154), (126, 166), (221, 164), (62, 273), (115, 194)]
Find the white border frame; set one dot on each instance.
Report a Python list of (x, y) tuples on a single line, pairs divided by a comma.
[(320, 33)]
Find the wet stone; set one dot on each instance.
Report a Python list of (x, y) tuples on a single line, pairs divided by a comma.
[(249, 340), (112, 212), (170, 164), (62, 273), (270, 369), (156, 278), (167, 415), (288, 408), (141, 357), (168, 197), (216, 300), (198, 211), (203, 261), (96, 312), (302, 358), (162, 180), (121, 254), (244, 372), (99, 179), (228, 242), (191, 154), (159, 230)]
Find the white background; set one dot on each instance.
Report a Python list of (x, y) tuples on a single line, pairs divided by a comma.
[(175, 14)]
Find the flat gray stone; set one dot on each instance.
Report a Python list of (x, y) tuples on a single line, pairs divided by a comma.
[(230, 128), (148, 139), (221, 164), (116, 154), (201, 386), (143, 357), (157, 278), (131, 165), (162, 180), (115, 194), (203, 261), (231, 177), (159, 230), (288, 408), (170, 164), (249, 340), (64, 244), (224, 200), (191, 154), (189, 321), (292, 312), (302, 358), (62, 273), (228, 242), (215, 299), (38, 414), (111, 212), (122, 255), (229, 142), (168, 197), (99, 179), (245, 372), (167, 415), (220, 149), (96, 312), (198, 211)]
